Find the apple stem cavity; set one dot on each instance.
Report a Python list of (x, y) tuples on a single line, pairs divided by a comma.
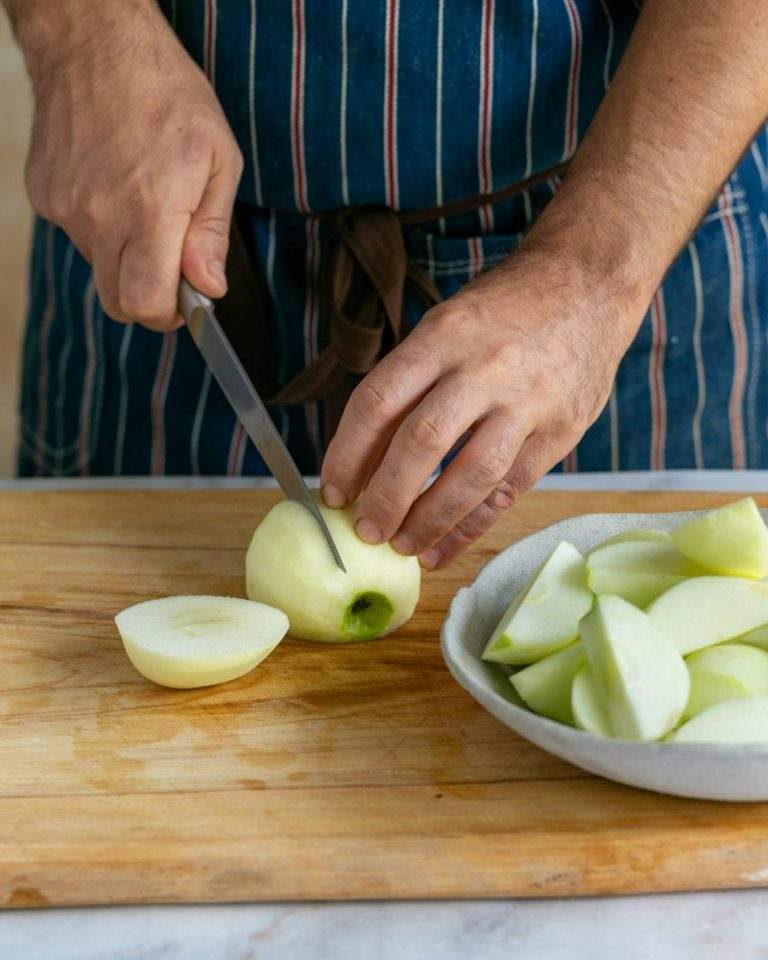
[(367, 616)]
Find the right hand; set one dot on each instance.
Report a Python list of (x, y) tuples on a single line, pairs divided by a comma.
[(132, 156)]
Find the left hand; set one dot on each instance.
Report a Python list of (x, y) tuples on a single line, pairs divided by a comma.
[(523, 358)]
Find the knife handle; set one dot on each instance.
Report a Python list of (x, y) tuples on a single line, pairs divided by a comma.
[(191, 299)]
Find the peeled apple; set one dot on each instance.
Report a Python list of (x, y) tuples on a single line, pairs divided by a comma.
[(731, 540), (732, 721), (289, 566), (639, 673), (197, 641), (544, 617)]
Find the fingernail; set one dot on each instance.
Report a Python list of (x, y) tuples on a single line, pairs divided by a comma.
[(332, 496), (216, 273), (368, 531), (404, 543), (429, 559)]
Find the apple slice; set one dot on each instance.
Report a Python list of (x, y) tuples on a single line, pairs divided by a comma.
[(197, 641), (638, 570), (732, 721), (633, 536), (755, 638), (544, 617), (703, 611), (731, 540), (289, 566), (638, 672), (546, 685), (725, 672), (588, 709)]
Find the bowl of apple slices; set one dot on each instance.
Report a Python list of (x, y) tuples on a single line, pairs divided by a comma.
[(634, 646)]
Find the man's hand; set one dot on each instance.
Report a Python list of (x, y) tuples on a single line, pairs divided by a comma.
[(524, 357), (130, 154)]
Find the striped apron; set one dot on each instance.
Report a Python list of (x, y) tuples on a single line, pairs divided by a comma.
[(408, 105)]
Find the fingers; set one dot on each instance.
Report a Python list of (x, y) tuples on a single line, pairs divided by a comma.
[(204, 252), (478, 471), (416, 449), (372, 414), (149, 274), (537, 455)]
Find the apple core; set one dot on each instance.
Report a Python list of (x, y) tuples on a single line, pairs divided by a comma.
[(367, 616)]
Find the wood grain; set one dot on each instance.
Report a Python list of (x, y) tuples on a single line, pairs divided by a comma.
[(330, 772)]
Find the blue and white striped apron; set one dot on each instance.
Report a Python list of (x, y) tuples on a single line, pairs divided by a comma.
[(353, 102)]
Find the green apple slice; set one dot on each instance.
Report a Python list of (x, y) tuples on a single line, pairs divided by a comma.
[(703, 611), (588, 709), (732, 721), (638, 570), (633, 536), (289, 566), (731, 540), (755, 638), (544, 617), (197, 641), (725, 672), (638, 672), (545, 686)]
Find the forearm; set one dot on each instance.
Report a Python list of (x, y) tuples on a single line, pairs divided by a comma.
[(47, 30), (688, 96)]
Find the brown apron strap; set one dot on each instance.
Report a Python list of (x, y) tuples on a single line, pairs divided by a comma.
[(364, 271)]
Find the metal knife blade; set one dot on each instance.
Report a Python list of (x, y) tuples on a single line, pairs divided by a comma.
[(225, 366)]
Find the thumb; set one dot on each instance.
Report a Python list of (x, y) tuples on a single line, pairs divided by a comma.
[(204, 253)]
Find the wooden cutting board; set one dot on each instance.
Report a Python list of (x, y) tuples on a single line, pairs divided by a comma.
[(330, 772)]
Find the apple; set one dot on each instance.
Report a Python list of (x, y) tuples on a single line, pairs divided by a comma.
[(633, 536), (638, 570), (731, 721), (545, 686), (731, 540), (587, 707), (704, 611), (725, 672), (289, 566), (755, 638), (544, 617), (639, 673), (197, 641)]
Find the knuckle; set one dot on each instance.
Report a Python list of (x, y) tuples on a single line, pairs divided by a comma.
[(372, 402), (384, 499), (506, 495), (487, 468), (424, 435), (94, 211)]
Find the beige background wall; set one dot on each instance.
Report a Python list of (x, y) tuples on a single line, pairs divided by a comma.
[(15, 222)]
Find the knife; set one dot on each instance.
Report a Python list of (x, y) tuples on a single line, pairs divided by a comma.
[(225, 366)]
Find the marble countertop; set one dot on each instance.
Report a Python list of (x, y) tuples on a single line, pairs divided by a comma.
[(659, 927)]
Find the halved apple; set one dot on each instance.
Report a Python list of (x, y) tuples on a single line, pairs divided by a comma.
[(289, 565), (732, 721), (587, 706), (545, 615), (197, 641), (546, 685), (638, 570), (725, 672), (703, 611), (731, 540), (638, 672)]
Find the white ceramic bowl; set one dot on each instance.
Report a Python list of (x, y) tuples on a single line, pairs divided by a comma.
[(707, 771)]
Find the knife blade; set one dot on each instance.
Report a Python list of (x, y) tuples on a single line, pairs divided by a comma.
[(225, 366)]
